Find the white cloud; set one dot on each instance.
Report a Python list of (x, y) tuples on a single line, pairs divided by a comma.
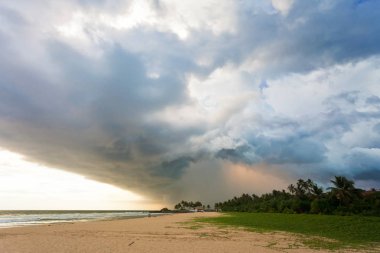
[(307, 95), (213, 99), (180, 18), (283, 6)]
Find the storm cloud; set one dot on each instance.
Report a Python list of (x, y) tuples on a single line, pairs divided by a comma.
[(164, 97)]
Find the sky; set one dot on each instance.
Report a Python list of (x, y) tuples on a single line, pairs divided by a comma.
[(111, 104)]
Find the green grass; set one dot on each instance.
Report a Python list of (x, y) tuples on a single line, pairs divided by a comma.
[(317, 231)]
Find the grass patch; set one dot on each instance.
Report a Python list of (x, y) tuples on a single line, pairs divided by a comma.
[(194, 227), (191, 225), (203, 235), (318, 231)]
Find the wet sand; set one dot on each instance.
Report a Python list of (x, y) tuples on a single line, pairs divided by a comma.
[(168, 233)]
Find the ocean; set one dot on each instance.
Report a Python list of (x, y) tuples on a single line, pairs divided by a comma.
[(25, 218)]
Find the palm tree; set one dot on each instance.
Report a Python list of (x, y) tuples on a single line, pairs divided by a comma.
[(292, 189), (343, 189), (316, 190), (301, 188)]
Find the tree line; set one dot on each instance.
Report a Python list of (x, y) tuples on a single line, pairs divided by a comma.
[(187, 205), (306, 196)]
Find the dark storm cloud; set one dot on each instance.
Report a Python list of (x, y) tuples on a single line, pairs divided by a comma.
[(295, 150), (174, 168), (314, 34), (365, 163), (376, 128), (96, 103), (95, 119), (373, 100), (369, 174), (240, 154)]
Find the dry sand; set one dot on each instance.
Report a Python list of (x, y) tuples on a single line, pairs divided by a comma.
[(169, 233)]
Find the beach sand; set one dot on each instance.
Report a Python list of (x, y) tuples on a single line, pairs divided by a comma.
[(168, 233)]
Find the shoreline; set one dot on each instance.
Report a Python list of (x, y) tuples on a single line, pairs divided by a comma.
[(82, 221), (11, 219), (164, 233)]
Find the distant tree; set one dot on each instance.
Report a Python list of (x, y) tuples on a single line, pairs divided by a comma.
[(292, 189), (343, 189), (185, 204), (316, 191), (196, 204)]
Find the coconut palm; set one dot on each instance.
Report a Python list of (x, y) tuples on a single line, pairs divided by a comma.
[(292, 189), (316, 190), (343, 189)]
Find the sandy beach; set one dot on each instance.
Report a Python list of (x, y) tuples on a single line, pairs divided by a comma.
[(169, 233)]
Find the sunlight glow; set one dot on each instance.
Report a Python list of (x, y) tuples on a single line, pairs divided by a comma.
[(26, 185)]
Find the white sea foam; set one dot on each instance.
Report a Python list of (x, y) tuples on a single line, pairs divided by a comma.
[(24, 218)]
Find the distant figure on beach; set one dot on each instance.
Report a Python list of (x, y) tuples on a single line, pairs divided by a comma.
[(149, 215)]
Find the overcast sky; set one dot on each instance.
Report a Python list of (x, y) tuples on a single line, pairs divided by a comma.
[(193, 99)]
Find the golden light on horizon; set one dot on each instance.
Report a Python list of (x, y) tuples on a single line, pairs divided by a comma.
[(257, 179), (27, 185)]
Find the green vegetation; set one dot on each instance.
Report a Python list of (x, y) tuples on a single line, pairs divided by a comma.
[(351, 221), (322, 231), (307, 197), (187, 205)]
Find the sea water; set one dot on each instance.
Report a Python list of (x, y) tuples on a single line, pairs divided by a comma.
[(24, 218)]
